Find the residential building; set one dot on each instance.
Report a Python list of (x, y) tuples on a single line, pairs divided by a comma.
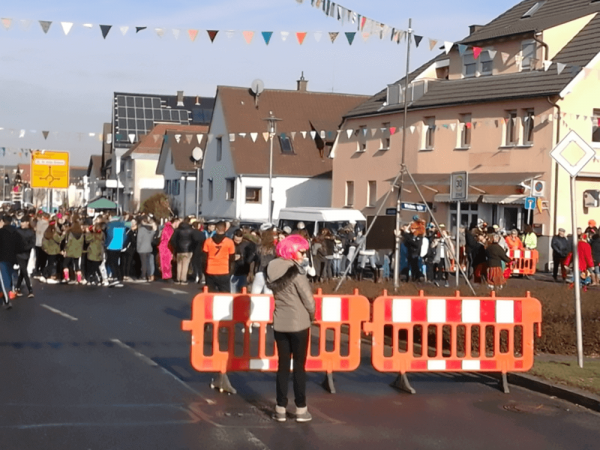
[(94, 177), (180, 170), (494, 105), (236, 163)]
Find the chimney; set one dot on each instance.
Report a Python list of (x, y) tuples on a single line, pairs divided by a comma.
[(474, 29), (179, 98), (302, 83)]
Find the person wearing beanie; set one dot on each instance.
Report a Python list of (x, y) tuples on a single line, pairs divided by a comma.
[(592, 228)]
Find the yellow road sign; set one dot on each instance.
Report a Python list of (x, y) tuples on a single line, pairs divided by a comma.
[(50, 169)]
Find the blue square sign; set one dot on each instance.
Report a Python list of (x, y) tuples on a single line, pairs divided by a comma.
[(530, 203)]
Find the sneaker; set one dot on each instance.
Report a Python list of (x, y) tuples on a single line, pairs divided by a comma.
[(105, 283), (30, 295), (83, 281), (72, 282), (302, 415), (491, 287), (18, 293), (127, 279), (7, 305), (447, 284), (436, 284), (64, 281), (42, 279), (280, 415), (118, 284), (52, 281), (184, 283)]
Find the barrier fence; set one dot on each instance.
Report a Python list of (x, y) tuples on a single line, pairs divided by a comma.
[(524, 261), (230, 333)]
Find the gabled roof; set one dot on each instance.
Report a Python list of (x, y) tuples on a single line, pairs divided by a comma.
[(299, 111), (181, 151), (550, 14), (578, 52), (95, 166), (151, 143)]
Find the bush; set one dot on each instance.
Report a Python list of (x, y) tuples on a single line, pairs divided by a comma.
[(157, 205)]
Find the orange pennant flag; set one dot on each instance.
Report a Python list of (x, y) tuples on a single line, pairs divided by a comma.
[(248, 35), (301, 35), (193, 34)]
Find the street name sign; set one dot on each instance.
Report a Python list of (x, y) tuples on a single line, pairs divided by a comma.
[(417, 207)]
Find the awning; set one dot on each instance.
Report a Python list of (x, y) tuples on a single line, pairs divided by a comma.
[(504, 199), (445, 198), (102, 203)]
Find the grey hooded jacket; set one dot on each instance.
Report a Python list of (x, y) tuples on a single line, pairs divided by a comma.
[(294, 301)]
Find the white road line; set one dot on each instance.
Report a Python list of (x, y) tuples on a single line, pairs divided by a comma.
[(256, 442), (60, 313), (174, 291), (135, 352)]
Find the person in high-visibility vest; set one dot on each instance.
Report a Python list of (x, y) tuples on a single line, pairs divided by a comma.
[(529, 238)]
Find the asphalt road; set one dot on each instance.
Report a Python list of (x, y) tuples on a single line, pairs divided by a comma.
[(96, 368)]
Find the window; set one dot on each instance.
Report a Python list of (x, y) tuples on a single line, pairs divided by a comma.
[(528, 52), (429, 126), (210, 190), (528, 125), (168, 187), (229, 188), (465, 131), (286, 144), (219, 148), (362, 139), (253, 194), (349, 193), (372, 193), (469, 65), (385, 140), (511, 128), (175, 187), (531, 11), (596, 126), (486, 63)]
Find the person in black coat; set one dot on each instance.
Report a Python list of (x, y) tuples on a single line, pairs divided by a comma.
[(26, 244), (595, 244), (561, 247), (182, 243), (245, 253), (198, 262), (413, 245), (9, 245), (470, 247), (495, 256)]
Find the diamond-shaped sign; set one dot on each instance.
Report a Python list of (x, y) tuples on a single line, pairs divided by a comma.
[(573, 153)]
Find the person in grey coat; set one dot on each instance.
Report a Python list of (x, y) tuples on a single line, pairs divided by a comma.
[(293, 314), (146, 232)]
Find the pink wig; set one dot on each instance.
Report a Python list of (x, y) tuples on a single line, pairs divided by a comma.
[(291, 245)]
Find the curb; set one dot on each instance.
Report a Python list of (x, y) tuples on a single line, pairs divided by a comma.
[(569, 394)]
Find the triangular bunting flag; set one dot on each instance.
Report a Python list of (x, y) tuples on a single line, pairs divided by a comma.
[(248, 35), (575, 70), (300, 36), (188, 138), (333, 36), (373, 131), (349, 133), (45, 134), (105, 29), (230, 33), (45, 24), (453, 126), (350, 36), (212, 34), (432, 44), (138, 29), (318, 35), (303, 133), (66, 26), (6, 23), (504, 56), (178, 138), (176, 32), (366, 36), (193, 34), (199, 137), (160, 32), (393, 130), (462, 49), (265, 136), (492, 53), (412, 129), (476, 52), (267, 36), (231, 137), (155, 137), (418, 40), (587, 72), (313, 134), (25, 24), (293, 134), (284, 35), (124, 30), (131, 138), (546, 65), (560, 67), (253, 136), (242, 135), (448, 46)]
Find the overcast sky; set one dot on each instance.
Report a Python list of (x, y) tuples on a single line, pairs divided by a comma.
[(65, 84)]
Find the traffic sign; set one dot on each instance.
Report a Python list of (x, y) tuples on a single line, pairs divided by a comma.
[(573, 153), (459, 186), (417, 207), (390, 211), (530, 203), (538, 188), (49, 169)]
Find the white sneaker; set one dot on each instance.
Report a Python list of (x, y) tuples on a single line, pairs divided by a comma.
[(42, 279), (52, 281)]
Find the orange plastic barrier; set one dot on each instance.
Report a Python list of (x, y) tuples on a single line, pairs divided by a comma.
[(456, 334), (524, 261), (255, 312)]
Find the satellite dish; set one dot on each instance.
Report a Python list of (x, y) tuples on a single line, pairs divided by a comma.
[(257, 87), (197, 154)]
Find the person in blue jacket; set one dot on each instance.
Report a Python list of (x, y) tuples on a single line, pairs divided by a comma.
[(116, 231)]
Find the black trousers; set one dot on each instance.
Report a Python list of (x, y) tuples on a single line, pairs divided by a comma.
[(415, 270), (291, 346), (113, 260), (40, 259), (23, 260), (50, 269), (93, 270), (218, 283)]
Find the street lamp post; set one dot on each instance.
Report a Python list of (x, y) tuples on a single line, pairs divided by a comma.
[(272, 127)]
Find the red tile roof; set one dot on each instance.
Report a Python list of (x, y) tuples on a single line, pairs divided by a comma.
[(152, 142)]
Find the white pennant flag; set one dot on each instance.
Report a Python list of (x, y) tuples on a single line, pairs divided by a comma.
[(188, 138), (178, 138), (453, 126), (266, 136), (323, 134), (284, 35), (412, 129), (505, 57), (349, 133), (253, 136), (492, 53), (293, 134), (66, 26), (313, 134), (373, 131), (242, 135), (547, 65), (132, 138), (89, 26), (199, 137), (160, 32), (560, 67), (231, 137), (25, 24), (22, 133), (176, 32), (230, 33), (303, 133), (318, 35), (124, 29), (448, 46)]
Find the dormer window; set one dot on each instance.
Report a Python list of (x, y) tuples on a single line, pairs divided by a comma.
[(484, 65), (528, 53), (531, 11)]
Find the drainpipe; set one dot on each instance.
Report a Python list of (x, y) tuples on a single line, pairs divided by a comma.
[(556, 168), (539, 41)]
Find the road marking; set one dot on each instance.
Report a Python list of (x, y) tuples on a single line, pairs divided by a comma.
[(60, 313), (174, 291), (150, 362), (256, 442)]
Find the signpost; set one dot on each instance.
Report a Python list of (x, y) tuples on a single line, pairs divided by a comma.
[(573, 153), (459, 192), (530, 203), (49, 170), (416, 207)]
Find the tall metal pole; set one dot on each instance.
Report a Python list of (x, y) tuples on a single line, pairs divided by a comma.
[(576, 279), (197, 191), (399, 202), (457, 250), (272, 127)]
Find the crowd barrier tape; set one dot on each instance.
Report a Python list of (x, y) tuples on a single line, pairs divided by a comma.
[(456, 334), (255, 313), (524, 261)]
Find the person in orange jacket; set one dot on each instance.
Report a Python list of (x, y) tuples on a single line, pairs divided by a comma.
[(513, 242)]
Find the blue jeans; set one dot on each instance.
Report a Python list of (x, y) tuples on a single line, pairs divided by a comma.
[(238, 282), (6, 273)]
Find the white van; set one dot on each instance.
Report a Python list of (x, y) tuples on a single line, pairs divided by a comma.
[(315, 218)]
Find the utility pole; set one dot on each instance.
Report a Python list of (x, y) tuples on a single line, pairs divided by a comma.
[(272, 129)]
